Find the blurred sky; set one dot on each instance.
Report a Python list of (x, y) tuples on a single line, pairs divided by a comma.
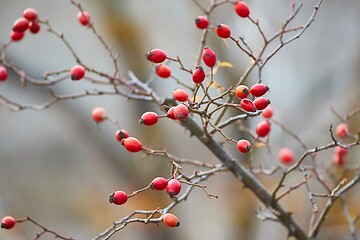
[(56, 166)]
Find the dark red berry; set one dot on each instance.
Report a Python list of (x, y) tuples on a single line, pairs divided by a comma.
[(132, 144), (16, 36), (84, 18), (209, 57), (171, 113), (121, 134), (223, 31), (156, 56), (8, 222), (198, 75), (247, 105), (3, 73), (257, 90), (20, 25), (159, 183), (149, 118), (263, 128), (173, 188), (242, 9), (118, 197), (34, 27), (202, 22), (261, 103)]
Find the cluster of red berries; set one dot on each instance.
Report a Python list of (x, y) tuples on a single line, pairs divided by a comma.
[(257, 90), (28, 21)]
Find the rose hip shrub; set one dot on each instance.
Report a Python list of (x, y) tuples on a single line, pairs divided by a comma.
[(230, 126)]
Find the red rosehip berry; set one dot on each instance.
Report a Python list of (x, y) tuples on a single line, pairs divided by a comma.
[(171, 113), (99, 114), (338, 160), (261, 103), (267, 112), (156, 56), (243, 146), (8, 222), (159, 183), (242, 9), (247, 105), (30, 14), (242, 91), (180, 95), (263, 128), (3, 73), (20, 25), (171, 220), (342, 130), (173, 188), (202, 22), (84, 18), (77, 72), (223, 31), (163, 71), (16, 36), (181, 112), (34, 27), (132, 144), (286, 156), (118, 197), (121, 134), (342, 152), (257, 90), (149, 118), (198, 75), (209, 57)]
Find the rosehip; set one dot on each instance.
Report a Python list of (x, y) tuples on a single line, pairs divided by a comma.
[(209, 57), (242, 91), (84, 18), (132, 144), (242, 9), (99, 114), (3, 74), (173, 188), (263, 128), (247, 105), (338, 160), (159, 183), (267, 112), (261, 103), (286, 156), (342, 152), (171, 220), (121, 134), (163, 71), (257, 90), (77, 72), (118, 197), (8, 222), (149, 118), (171, 113), (30, 14), (34, 27), (198, 75), (180, 95), (342, 130), (181, 112), (156, 56), (202, 22), (243, 146), (16, 36), (223, 31), (20, 25)]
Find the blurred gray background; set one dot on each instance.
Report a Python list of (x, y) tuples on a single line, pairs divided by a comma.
[(57, 167)]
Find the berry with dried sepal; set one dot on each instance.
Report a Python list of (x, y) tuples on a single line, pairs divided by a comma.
[(118, 197), (198, 75), (261, 103), (171, 220), (259, 89), (156, 55), (209, 57), (223, 31), (181, 112), (77, 72), (149, 119), (243, 146), (8, 222), (173, 187), (242, 91), (202, 22), (121, 134), (159, 183)]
